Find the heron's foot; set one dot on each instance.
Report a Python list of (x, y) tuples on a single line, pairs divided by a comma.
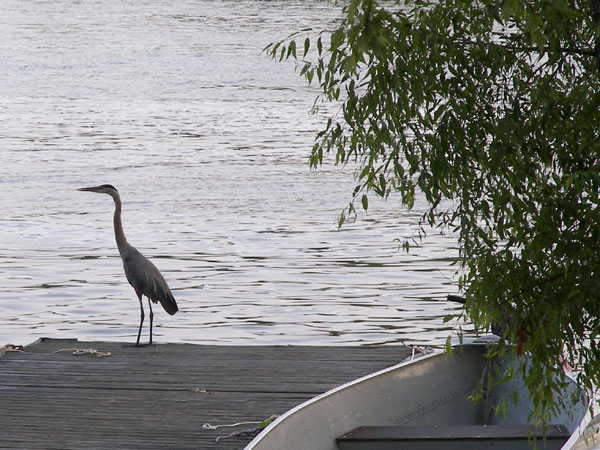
[(135, 345)]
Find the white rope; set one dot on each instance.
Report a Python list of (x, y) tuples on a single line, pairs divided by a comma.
[(208, 426), (81, 352), (10, 348)]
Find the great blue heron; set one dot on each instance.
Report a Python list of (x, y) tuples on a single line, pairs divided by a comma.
[(140, 272)]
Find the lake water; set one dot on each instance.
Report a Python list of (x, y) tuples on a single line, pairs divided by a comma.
[(207, 141)]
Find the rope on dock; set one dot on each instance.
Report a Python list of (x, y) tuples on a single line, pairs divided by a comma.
[(246, 432), (417, 352), (81, 352), (10, 348)]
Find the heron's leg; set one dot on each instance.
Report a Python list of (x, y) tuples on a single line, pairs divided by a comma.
[(151, 319), (137, 344)]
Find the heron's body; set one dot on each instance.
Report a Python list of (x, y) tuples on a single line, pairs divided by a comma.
[(140, 272), (148, 281)]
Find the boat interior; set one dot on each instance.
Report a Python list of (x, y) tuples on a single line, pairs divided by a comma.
[(455, 422)]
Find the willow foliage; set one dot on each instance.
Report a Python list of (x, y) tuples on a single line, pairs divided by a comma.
[(491, 110)]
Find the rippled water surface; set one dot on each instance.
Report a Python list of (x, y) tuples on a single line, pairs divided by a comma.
[(207, 140)]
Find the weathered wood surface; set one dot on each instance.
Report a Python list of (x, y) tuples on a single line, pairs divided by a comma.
[(160, 396)]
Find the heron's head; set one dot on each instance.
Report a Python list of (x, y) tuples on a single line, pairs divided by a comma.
[(102, 189)]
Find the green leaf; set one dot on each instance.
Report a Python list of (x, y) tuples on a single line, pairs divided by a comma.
[(291, 50), (448, 345), (337, 37), (509, 8), (449, 318), (341, 220)]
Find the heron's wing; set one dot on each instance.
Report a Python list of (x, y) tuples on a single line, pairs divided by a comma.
[(147, 280)]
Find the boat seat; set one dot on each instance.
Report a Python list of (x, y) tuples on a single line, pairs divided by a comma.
[(455, 437)]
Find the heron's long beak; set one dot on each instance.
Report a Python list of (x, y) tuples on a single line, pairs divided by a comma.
[(90, 189)]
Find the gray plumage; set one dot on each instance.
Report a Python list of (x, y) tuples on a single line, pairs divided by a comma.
[(146, 279), (140, 272)]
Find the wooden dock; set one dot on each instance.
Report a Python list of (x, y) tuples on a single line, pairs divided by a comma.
[(161, 396)]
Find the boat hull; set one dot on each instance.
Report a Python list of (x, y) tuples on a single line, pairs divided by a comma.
[(434, 390)]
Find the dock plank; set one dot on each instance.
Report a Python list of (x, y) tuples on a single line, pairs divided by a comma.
[(160, 396)]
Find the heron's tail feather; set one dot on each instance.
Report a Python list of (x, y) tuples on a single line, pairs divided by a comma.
[(169, 304)]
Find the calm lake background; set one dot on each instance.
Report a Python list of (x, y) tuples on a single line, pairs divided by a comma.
[(207, 141)]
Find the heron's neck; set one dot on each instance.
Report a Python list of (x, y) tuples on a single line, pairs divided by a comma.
[(119, 234)]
